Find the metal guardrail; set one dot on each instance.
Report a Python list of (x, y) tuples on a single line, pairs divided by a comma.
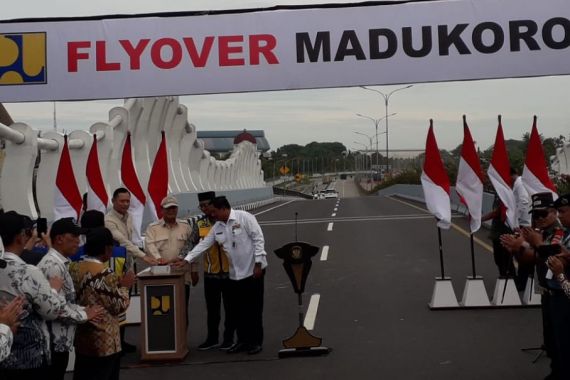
[(416, 193)]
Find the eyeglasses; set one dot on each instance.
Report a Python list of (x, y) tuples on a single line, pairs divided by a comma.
[(539, 214)]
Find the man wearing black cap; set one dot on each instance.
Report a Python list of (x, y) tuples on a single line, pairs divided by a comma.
[(540, 242), (64, 236), (216, 277), (560, 266), (30, 354)]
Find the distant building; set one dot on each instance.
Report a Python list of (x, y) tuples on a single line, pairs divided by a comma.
[(222, 142)]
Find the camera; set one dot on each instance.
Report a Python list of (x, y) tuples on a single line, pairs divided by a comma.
[(545, 251), (41, 226)]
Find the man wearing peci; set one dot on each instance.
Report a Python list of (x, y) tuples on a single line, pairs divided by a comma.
[(216, 278), (241, 237)]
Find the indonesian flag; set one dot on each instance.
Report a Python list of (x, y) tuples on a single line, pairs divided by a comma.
[(435, 182), (67, 198), (131, 182), (158, 181), (469, 184), (499, 173), (535, 173), (97, 198)]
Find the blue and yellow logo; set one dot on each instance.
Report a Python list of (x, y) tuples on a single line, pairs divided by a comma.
[(23, 58)]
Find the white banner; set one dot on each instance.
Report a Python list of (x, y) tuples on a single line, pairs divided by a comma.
[(283, 49)]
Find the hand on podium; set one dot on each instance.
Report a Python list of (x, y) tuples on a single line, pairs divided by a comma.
[(150, 260), (180, 264)]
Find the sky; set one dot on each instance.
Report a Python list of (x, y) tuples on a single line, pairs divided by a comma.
[(303, 116)]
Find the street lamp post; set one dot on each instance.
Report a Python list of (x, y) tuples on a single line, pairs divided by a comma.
[(365, 149), (376, 123), (386, 100)]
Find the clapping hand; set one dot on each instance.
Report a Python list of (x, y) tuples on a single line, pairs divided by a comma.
[(56, 283), (10, 313), (95, 313)]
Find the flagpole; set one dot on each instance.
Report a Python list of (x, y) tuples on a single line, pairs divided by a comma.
[(472, 255), (440, 253)]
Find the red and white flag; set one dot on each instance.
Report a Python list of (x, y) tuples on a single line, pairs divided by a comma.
[(97, 198), (499, 173), (535, 173), (469, 184), (67, 198), (131, 182), (435, 182), (158, 181)]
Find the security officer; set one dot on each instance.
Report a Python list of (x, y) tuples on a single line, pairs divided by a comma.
[(539, 245), (216, 278)]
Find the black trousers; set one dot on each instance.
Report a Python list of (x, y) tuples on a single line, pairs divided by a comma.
[(503, 259), (556, 314), (216, 292), (23, 374), (58, 365), (247, 307), (97, 368)]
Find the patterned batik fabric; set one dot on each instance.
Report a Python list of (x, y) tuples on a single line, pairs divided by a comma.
[(98, 285), (62, 330), (31, 346)]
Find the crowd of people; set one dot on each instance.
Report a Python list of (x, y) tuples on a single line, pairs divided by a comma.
[(543, 247), (69, 289)]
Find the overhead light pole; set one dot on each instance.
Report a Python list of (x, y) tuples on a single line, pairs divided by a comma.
[(376, 123), (386, 101)]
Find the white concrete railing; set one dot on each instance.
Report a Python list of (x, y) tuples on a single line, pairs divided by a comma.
[(191, 168)]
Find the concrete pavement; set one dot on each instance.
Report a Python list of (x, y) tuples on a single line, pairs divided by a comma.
[(374, 288)]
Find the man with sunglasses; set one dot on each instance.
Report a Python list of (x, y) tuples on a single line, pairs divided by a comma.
[(216, 277)]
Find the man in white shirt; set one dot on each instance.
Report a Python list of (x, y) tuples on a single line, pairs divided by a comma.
[(523, 203), (242, 239), (522, 199), (30, 354)]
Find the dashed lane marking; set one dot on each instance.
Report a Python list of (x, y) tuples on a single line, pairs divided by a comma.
[(325, 253), (312, 312), (330, 226)]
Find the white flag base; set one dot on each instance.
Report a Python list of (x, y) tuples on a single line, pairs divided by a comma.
[(511, 298), (530, 297), (475, 294), (443, 296)]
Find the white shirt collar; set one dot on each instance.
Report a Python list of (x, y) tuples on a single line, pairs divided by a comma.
[(59, 257), (12, 256)]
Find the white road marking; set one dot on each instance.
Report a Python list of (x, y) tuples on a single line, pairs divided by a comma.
[(311, 315), (335, 209), (273, 208), (330, 226), (333, 214), (379, 218), (325, 253)]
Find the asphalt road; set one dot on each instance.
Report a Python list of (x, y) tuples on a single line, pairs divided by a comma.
[(374, 289)]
